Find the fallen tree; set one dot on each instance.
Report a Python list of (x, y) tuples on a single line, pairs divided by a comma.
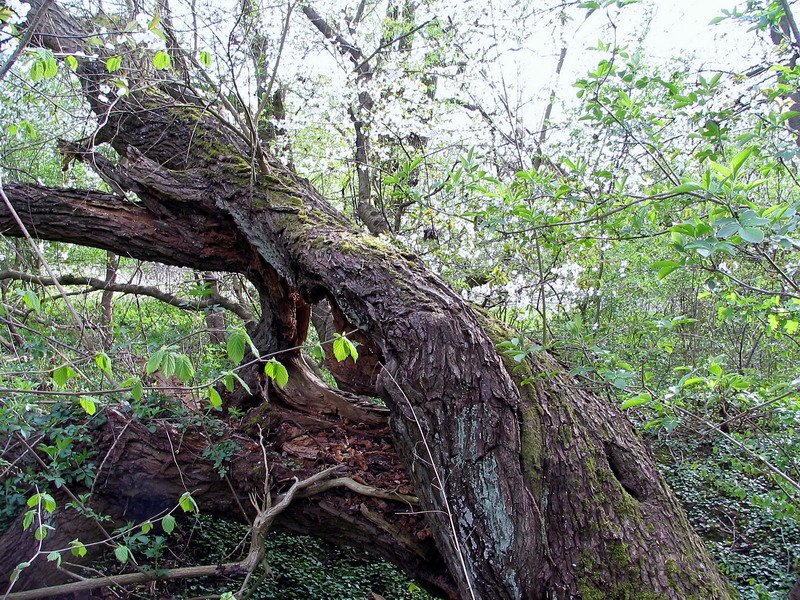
[(534, 490)]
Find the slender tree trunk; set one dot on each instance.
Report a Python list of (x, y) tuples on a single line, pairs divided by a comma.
[(107, 301), (215, 318)]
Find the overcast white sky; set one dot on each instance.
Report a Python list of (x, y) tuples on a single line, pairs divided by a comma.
[(675, 30)]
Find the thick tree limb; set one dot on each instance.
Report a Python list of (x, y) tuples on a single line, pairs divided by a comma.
[(105, 221)]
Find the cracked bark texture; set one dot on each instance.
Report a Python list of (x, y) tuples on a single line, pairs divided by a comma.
[(535, 491)]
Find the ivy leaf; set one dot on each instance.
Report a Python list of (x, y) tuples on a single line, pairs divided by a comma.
[(277, 372)]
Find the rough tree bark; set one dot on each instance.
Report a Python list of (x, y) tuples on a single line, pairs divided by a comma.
[(540, 490)]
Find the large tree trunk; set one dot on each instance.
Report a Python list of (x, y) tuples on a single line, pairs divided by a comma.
[(535, 490)]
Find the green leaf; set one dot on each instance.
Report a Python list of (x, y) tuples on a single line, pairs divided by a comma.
[(162, 60), (751, 234), (339, 349), (27, 521), (50, 68), (728, 229), (37, 71), (750, 218), (155, 21), (205, 58), (238, 340), (17, 570), (49, 502), (740, 158), (155, 361), (684, 188), (113, 63), (55, 557), (214, 398), (792, 326), (635, 401), (72, 62), (241, 381), (63, 374), (104, 363), (317, 352), (343, 347), (184, 368), (715, 369), (168, 523), (168, 364), (229, 381), (41, 532), (147, 526), (77, 548), (773, 321), (122, 553), (31, 300), (667, 269), (276, 371), (187, 503), (137, 390), (87, 404)]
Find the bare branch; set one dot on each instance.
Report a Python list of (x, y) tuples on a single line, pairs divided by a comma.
[(139, 290)]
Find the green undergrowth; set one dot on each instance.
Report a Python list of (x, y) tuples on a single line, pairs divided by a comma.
[(748, 524), (302, 568)]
